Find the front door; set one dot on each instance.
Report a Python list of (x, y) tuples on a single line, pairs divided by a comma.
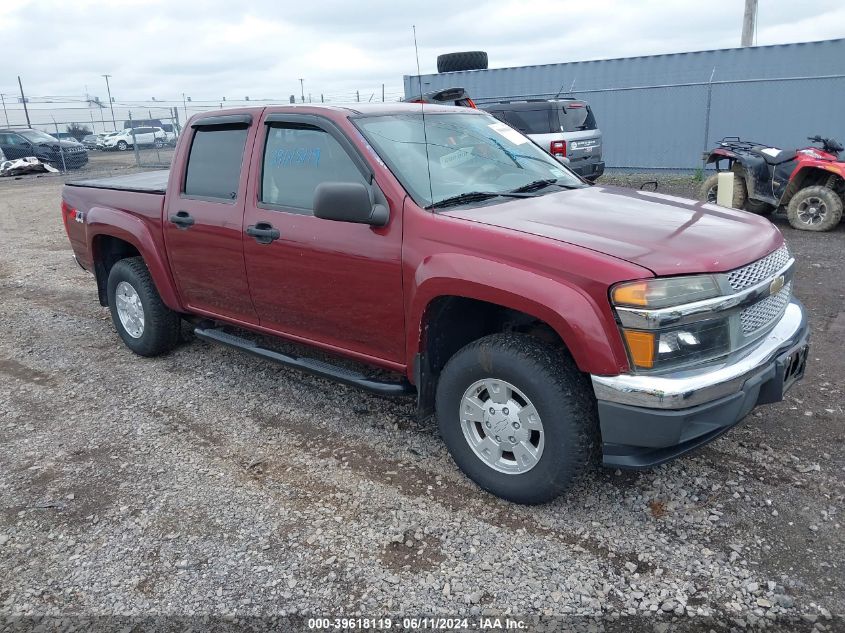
[(336, 284), (203, 222)]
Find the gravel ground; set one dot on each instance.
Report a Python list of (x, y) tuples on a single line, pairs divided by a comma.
[(210, 482)]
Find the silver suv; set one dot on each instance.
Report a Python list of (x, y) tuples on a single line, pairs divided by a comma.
[(563, 127)]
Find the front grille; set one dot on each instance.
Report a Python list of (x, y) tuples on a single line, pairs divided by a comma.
[(765, 312), (753, 274)]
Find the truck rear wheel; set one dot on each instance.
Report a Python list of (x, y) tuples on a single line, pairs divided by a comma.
[(815, 208), (517, 417), (146, 325)]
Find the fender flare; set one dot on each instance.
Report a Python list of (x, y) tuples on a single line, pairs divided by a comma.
[(585, 326), (104, 221)]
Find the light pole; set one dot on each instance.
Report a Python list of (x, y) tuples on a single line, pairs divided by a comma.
[(111, 106), (302, 86)]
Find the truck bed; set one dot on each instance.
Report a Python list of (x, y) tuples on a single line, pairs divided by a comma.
[(145, 182)]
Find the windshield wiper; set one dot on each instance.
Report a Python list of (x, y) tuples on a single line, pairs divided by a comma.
[(476, 196), (539, 184)]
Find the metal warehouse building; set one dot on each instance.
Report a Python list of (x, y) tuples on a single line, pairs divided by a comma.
[(662, 111)]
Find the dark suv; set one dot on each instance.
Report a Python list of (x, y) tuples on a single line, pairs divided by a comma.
[(563, 127), (27, 142)]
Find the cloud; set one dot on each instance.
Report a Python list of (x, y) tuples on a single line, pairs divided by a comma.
[(214, 48)]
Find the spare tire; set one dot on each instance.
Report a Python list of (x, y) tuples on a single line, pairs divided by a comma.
[(468, 60)]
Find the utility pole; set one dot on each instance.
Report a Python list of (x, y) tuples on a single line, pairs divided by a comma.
[(23, 100), (185, 106), (749, 21), (302, 88), (6, 114), (382, 93), (111, 106)]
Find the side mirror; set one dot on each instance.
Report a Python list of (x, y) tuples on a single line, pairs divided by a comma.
[(348, 202)]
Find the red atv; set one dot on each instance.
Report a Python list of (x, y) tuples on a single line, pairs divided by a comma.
[(809, 182)]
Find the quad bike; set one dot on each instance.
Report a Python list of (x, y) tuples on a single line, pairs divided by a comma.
[(809, 182)]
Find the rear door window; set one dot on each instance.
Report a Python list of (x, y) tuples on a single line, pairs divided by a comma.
[(214, 164), (577, 117)]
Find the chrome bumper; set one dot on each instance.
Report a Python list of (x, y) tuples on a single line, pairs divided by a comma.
[(693, 387)]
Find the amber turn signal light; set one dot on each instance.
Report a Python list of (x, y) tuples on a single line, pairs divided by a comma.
[(640, 347)]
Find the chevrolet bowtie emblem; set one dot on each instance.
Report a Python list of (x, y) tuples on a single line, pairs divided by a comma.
[(776, 285)]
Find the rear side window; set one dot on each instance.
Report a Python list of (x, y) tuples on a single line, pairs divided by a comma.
[(577, 117), (297, 158), (214, 164), (530, 121)]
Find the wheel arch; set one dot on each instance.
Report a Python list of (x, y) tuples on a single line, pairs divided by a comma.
[(114, 235), (813, 175), (450, 314)]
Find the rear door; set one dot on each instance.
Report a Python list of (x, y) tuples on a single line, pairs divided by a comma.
[(204, 215), (336, 284), (583, 138)]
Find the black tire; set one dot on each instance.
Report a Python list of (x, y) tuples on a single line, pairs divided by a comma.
[(560, 394), (710, 186), (122, 146), (829, 209), (161, 327), (467, 60)]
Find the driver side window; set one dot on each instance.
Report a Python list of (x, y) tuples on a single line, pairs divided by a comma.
[(15, 139), (297, 158)]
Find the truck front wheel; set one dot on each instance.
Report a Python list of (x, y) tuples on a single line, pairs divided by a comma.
[(517, 417), (146, 325)]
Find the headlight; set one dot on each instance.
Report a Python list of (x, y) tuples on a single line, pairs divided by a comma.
[(664, 293), (672, 346), (691, 343)]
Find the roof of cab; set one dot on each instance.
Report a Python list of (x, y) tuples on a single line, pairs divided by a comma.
[(353, 109)]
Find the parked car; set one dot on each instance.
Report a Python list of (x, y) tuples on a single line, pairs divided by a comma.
[(564, 127), (127, 138), (101, 139), (90, 141), (809, 182), (539, 316), (22, 143)]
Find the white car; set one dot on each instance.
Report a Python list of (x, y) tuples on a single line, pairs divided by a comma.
[(143, 136)]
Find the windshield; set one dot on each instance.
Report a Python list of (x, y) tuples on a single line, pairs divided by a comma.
[(37, 137), (467, 153)]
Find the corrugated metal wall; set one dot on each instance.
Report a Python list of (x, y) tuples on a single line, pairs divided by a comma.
[(662, 111)]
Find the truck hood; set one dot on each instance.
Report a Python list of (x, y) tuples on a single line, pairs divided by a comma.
[(665, 234)]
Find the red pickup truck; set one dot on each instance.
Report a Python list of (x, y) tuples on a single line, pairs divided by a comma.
[(540, 317)]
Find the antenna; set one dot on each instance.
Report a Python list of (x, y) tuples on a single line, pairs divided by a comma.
[(422, 112)]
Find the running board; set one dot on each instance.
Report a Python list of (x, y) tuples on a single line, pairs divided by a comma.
[(310, 365)]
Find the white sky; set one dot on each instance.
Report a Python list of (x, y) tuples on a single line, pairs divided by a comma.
[(214, 48)]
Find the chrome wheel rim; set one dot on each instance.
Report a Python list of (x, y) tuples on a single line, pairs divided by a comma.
[(812, 211), (502, 426), (130, 311), (711, 194)]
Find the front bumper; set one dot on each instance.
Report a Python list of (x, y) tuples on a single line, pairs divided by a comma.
[(647, 420)]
